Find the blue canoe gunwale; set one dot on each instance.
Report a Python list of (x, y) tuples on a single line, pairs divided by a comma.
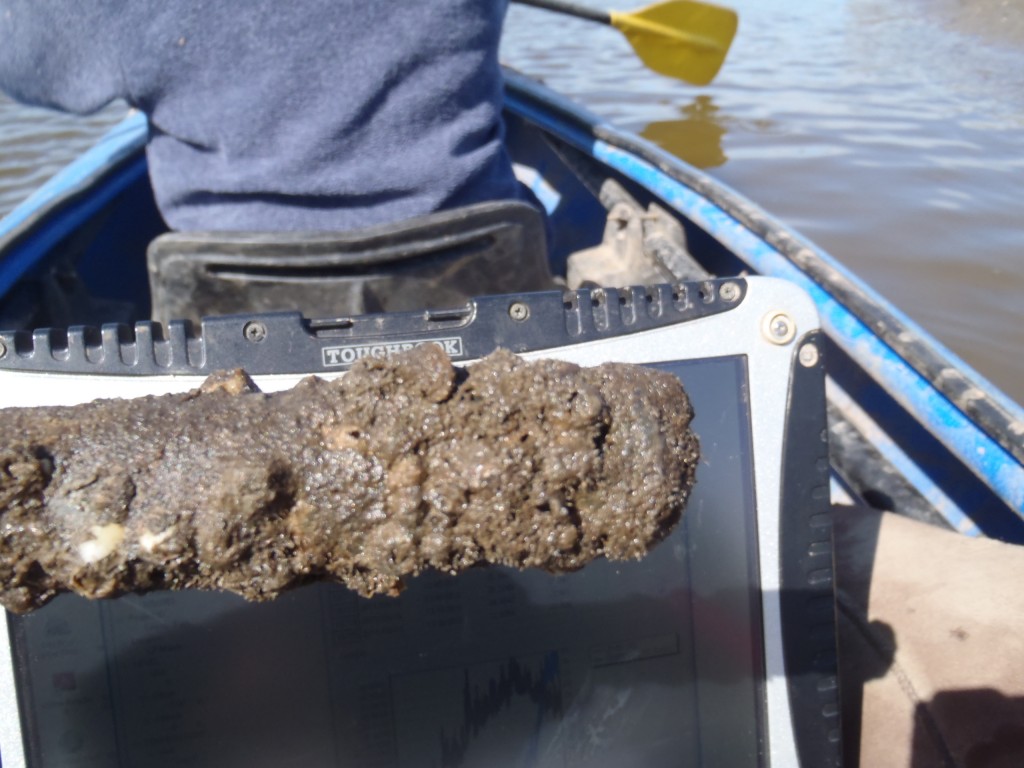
[(909, 372), (979, 424)]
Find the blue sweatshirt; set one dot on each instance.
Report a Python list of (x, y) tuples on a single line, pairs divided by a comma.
[(282, 114)]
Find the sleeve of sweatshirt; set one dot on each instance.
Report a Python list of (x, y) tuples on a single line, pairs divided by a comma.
[(60, 53)]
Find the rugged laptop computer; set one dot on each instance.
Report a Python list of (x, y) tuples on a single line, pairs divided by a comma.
[(716, 649)]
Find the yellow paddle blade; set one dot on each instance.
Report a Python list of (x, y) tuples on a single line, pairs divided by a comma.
[(680, 38)]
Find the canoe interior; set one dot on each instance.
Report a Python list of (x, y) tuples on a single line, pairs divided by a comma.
[(74, 255)]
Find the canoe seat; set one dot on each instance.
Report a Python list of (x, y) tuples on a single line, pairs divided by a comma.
[(437, 261)]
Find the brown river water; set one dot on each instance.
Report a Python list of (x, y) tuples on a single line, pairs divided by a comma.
[(891, 133)]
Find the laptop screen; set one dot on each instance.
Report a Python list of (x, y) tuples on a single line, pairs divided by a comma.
[(657, 662)]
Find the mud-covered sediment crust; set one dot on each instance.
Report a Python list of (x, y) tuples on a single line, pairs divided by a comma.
[(399, 466)]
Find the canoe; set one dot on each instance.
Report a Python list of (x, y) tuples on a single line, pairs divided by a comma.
[(911, 428)]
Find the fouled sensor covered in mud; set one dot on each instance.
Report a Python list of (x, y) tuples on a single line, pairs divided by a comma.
[(401, 465)]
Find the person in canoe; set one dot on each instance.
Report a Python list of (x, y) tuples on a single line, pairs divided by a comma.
[(307, 115)]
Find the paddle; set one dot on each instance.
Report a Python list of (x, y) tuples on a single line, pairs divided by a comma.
[(685, 39)]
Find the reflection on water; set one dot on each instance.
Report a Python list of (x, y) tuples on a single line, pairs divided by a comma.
[(891, 132), (696, 137)]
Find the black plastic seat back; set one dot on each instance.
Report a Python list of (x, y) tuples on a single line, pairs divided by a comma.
[(436, 261)]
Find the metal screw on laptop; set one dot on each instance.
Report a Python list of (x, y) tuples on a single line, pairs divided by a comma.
[(519, 311), (254, 331), (778, 328), (809, 355), (729, 291)]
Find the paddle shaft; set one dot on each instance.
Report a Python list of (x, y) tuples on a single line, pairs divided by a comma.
[(570, 9)]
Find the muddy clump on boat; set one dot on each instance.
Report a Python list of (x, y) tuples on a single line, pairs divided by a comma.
[(399, 466)]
